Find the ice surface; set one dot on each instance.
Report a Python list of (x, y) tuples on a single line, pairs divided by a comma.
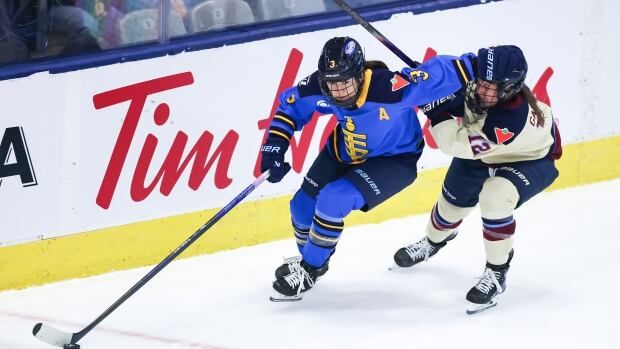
[(563, 290)]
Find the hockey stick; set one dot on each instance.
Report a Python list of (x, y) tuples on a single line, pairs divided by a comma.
[(372, 30), (67, 340)]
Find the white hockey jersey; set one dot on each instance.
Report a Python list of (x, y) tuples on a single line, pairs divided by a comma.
[(508, 133)]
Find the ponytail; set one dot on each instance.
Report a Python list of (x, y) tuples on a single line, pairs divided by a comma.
[(531, 100)]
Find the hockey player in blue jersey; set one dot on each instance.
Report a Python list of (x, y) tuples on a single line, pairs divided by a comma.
[(371, 155), (504, 149)]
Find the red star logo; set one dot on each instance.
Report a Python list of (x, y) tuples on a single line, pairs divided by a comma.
[(502, 135), (398, 82)]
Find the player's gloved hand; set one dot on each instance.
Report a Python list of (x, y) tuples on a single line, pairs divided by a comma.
[(446, 109), (273, 159)]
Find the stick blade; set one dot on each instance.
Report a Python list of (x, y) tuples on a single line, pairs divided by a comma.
[(51, 335)]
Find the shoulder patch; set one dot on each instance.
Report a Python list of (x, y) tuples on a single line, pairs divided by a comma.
[(504, 124), (386, 87), (398, 82), (291, 99), (503, 135)]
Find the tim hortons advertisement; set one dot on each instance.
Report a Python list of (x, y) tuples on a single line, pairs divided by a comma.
[(155, 138)]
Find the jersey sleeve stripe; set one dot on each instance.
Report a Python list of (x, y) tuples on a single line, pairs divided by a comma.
[(286, 119), (279, 134), (461, 71), (463, 66), (285, 130), (282, 127)]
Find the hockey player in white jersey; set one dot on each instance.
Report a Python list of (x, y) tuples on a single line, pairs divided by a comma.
[(504, 145)]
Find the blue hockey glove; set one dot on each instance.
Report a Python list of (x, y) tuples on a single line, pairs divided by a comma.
[(273, 159)]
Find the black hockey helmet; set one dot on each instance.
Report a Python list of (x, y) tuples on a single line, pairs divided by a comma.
[(342, 58), (504, 66)]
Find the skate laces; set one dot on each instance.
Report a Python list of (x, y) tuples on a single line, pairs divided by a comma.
[(487, 280), (293, 263), (297, 277), (420, 249), (294, 259)]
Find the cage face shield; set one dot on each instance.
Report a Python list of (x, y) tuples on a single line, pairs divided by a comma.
[(343, 93), (481, 95), (501, 74), (341, 71)]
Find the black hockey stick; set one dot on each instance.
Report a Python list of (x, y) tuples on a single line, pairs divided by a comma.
[(372, 30), (67, 340)]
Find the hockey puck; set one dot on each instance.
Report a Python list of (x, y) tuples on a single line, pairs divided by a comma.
[(71, 346)]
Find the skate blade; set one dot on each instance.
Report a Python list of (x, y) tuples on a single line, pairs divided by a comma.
[(278, 297), (282, 298), (396, 267), (474, 308)]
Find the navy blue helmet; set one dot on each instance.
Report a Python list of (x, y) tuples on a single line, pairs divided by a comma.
[(502, 65), (342, 58)]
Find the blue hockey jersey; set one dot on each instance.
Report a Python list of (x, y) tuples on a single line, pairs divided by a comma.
[(383, 122)]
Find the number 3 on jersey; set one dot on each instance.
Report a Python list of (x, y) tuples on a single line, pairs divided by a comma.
[(416, 74)]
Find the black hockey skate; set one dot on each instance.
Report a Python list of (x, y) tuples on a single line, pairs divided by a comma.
[(292, 263), (491, 284), (422, 250), (291, 287)]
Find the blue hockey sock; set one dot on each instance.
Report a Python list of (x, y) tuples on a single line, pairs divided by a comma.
[(333, 203), (302, 209)]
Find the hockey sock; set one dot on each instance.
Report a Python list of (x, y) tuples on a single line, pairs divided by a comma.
[(439, 228), (302, 209), (444, 219), (498, 239), (334, 202), (323, 238), (301, 235)]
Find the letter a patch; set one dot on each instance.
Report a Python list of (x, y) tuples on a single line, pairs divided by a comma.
[(503, 135), (398, 82)]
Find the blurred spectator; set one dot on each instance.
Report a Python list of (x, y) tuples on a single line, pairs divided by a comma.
[(220, 14), (36, 28), (63, 29), (13, 44), (71, 27), (109, 13)]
